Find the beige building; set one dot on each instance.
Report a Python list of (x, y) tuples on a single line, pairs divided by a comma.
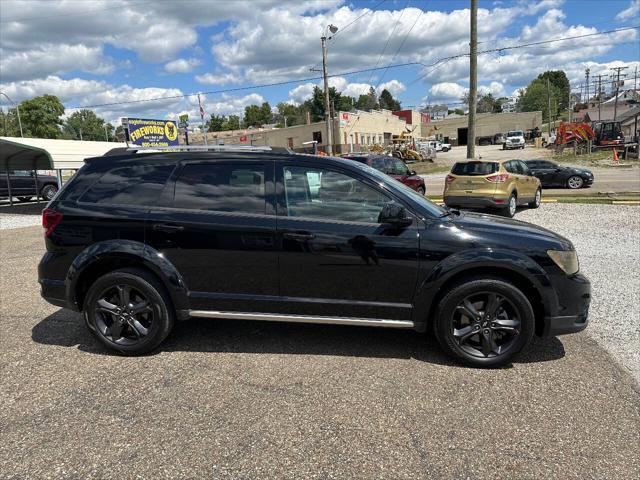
[(454, 130), (353, 131)]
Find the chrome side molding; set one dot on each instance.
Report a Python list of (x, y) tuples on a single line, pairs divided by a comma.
[(272, 317)]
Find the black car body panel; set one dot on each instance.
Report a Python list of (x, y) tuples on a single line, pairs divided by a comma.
[(261, 258), (553, 175)]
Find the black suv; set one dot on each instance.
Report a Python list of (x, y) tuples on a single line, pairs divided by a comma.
[(139, 240)]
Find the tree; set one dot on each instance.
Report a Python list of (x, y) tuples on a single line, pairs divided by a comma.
[(485, 104), (216, 122), (232, 122), (559, 80), (368, 101), (41, 117), (535, 97), (87, 125), (256, 116), (388, 102), (9, 123), (290, 115)]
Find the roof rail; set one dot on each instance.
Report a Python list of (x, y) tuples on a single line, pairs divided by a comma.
[(200, 148)]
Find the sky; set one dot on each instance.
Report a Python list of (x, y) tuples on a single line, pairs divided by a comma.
[(96, 52)]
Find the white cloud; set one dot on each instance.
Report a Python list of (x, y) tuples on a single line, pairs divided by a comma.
[(217, 79), (52, 59), (301, 92), (446, 92), (233, 105), (181, 65), (494, 88), (631, 12), (394, 87)]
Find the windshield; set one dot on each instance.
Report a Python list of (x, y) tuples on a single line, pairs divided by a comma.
[(474, 168), (515, 133), (430, 207)]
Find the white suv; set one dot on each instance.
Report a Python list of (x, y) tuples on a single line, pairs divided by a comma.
[(515, 139)]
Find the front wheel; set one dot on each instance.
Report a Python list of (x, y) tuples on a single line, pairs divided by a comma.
[(575, 182), (536, 200), (421, 190), (129, 311), (484, 322)]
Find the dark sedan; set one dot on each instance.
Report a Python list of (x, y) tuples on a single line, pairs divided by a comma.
[(553, 175)]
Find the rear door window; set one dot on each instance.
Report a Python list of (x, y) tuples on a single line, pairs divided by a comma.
[(222, 187), (474, 168), (138, 185)]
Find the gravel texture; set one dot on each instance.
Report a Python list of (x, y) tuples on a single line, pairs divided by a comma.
[(607, 239), (20, 215), (224, 399)]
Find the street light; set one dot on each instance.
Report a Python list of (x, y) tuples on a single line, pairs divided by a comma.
[(17, 110), (333, 29)]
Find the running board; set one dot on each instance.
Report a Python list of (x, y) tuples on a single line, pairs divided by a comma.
[(270, 317)]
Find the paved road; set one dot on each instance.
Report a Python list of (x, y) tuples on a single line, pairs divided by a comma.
[(227, 399)]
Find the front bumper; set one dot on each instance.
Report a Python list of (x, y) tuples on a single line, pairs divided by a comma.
[(574, 297)]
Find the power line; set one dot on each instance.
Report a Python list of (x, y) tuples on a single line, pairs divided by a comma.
[(354, 72)]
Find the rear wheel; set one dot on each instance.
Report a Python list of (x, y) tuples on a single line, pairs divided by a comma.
[(484, 322), (421, 190), (48, 192), (536, 200), (509, 210), (575, 182), (129, 311)]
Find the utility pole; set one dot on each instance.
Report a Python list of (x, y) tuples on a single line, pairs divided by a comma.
[(106, 134), (599, 96), (586, 75), (327, 105), (80, 134), (549, 107), (615, 103), (473, 80)]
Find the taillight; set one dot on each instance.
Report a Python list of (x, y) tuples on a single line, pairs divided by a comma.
[(449, 179), (50, 220), (500, 178)]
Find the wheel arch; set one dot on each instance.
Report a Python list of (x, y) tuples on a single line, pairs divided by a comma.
[(105, 257), (515, 269)]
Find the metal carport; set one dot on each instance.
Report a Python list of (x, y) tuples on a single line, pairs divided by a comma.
[(35, 154)]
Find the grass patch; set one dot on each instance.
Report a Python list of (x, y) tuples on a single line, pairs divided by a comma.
[(425, 168), (599, 158)]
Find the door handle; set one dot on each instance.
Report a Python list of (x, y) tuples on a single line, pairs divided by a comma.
[(300, 236), (167, 227)]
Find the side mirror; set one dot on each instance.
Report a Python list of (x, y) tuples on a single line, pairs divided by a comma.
[(411, 173), (557, 169), (394, 215)]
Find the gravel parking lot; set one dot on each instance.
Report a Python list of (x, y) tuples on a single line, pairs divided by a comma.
[(224, 399)]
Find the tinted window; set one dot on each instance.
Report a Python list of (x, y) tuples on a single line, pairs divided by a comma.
[(222, 187), (523, 168), (357, 159), (137, 185), (325, 194), (510, 167), (398, 167), (474, 168), (544, 164), (380, 163)]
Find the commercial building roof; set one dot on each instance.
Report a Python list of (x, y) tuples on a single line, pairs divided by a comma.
[(18, 153)]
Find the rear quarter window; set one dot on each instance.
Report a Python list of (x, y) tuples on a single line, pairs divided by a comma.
[(138, 185), (474, 168)]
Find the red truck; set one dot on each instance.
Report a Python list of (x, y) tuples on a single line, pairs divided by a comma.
[(394, 167)]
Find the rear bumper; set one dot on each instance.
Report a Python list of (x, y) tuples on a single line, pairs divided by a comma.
[(53, 291), (474, 202)]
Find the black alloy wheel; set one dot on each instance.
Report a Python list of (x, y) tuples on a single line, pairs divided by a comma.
[(48, 192), (484, 322), (420, 190), (123, 315), (129, 311)]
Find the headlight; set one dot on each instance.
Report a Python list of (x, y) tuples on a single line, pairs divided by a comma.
[(567, 260)]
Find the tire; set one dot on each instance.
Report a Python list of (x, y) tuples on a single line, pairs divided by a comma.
[(48, 192), (103, 309), (421, 190), (522, 147), (536, 200), (575, 182), (24, 199), (484, 322), (512, 205)]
